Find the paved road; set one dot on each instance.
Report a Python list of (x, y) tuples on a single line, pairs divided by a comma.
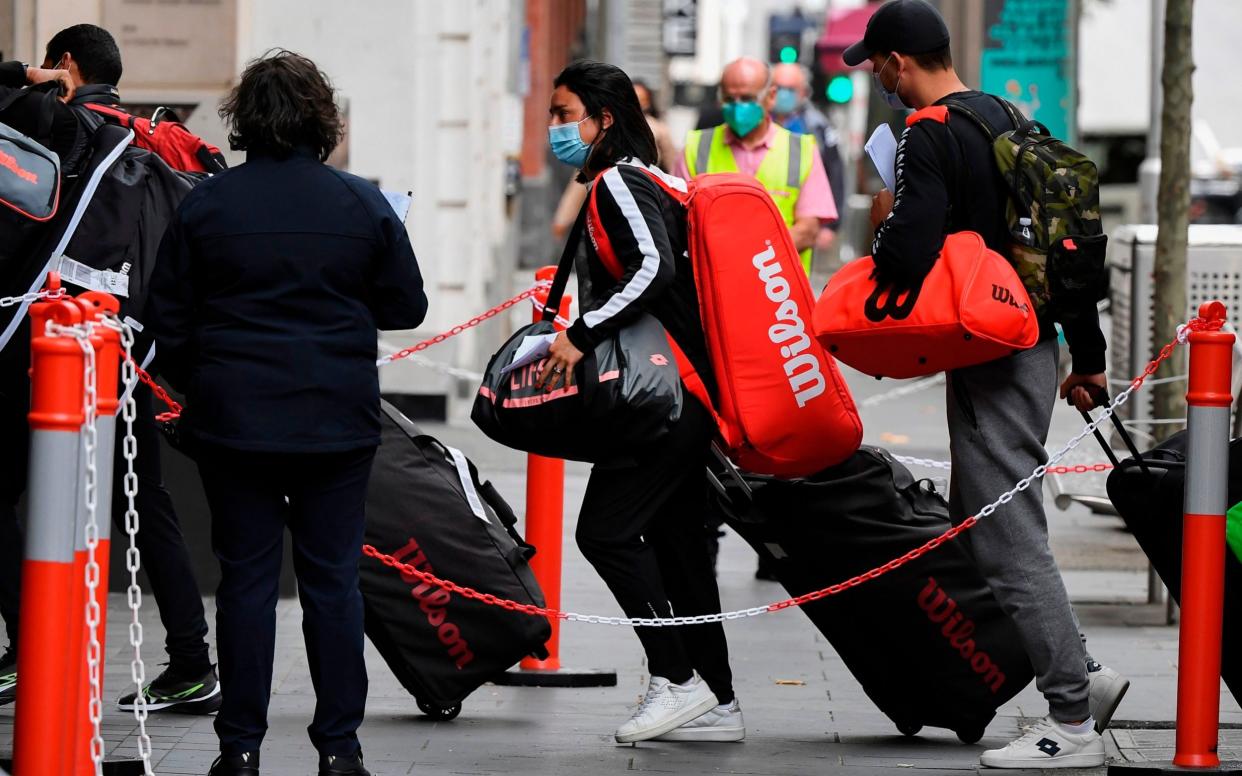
[(805, 713)]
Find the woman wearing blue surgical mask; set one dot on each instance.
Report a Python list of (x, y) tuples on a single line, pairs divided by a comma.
[(642, 524)]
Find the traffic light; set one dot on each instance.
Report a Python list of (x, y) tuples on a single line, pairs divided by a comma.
[(785, 34), (840, 89)]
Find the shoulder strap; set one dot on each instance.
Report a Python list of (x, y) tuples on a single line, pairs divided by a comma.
[(553, 304), (10, 98), (940, 115), (962, 109), (115, 115), (50, 95)]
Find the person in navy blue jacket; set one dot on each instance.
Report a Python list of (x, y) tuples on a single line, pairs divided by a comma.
[(270, 285)]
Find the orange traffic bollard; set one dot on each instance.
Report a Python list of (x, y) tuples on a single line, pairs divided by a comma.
[(45, 708), (545, 517), (1203, 543), (95, 306), (545, 508)]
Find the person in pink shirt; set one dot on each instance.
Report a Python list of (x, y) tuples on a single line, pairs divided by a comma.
[(750, 142)]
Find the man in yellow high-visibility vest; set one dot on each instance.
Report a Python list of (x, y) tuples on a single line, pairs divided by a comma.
[(750, 142)]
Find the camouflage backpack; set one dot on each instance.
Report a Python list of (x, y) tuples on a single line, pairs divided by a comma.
[(1053, 214)]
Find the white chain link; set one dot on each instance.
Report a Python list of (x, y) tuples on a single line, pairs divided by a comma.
[(133, 559), (90, 444), (924, 462), (755, 611), (33, 296), (905, 390), (427, 363)]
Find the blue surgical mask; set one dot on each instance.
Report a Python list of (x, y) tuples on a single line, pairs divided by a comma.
[(786, 101), (892, 98), (743, 117), (567, 144)]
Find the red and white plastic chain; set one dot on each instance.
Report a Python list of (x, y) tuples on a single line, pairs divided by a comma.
[(175, 409), (1196, 324)]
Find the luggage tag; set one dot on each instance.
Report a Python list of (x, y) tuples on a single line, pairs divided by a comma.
[(467, 483)]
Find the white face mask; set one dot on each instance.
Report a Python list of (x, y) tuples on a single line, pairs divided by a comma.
[(892, 98)]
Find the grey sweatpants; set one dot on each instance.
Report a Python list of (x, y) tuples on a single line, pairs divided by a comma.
[(999, 413)]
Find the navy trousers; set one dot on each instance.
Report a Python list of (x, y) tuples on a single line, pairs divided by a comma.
[(320, 498)]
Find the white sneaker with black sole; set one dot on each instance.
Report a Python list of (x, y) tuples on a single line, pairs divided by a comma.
[(1047, 744), (1107, 687), (667, 706), (723, 723)]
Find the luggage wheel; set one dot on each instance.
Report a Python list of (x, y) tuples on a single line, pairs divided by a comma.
[(439, 713), (969, 735), (909, 729)]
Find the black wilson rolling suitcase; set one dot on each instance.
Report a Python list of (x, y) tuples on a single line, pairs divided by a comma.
[(427, 507), (1148, 491), (927, 641)]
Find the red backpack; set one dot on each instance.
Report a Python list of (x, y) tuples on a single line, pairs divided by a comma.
[(783, 407), (165, 136)]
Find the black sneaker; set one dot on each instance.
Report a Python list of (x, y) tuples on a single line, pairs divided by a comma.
[(8, 676), (342, 765), (246, 764), (180, 693)]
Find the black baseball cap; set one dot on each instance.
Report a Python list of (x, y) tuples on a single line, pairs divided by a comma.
[(904, 26)]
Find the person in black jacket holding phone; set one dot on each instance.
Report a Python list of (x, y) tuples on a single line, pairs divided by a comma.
[(271, 284)]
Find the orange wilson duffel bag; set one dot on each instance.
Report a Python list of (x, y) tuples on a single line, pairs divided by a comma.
[(970, 308), (782, 408)]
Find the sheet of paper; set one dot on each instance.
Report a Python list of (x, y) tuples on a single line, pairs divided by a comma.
[(531, 349), (400, 202), (882, 148)]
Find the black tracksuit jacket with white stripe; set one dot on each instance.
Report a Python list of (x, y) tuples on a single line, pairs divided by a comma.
[(645, 228)]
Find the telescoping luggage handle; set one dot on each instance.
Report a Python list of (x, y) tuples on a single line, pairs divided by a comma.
[(553, 303), (1100, 395), (729, 470)]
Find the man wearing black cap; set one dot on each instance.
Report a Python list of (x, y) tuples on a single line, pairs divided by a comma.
[(999, 412)]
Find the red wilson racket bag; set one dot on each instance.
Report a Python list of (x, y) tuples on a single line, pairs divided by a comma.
[(783, 408)]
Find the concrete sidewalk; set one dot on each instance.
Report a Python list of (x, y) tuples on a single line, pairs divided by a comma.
[(805, 714)]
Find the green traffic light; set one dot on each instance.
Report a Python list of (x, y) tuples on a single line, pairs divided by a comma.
[(789, 54), (840, 89)]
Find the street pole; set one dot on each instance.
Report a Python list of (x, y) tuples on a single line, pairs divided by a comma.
[(1169, 306)]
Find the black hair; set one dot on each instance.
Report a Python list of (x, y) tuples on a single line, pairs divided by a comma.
[(283, 101), (937, 59), (599, 86), (93, 49)]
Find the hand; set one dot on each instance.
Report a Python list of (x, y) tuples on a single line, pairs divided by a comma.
[(881, 206), (825, 239), (1085, 392), (558, 367), (38, 75)]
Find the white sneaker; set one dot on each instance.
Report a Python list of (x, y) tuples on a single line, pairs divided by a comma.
[(1048, 745), (723, 723), (1107, 689), (666, 706)]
